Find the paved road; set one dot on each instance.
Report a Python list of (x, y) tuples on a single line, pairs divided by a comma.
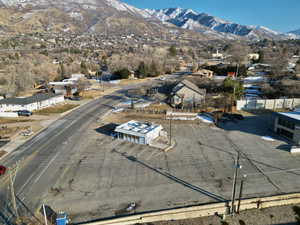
[(47, 153), (46, 156)]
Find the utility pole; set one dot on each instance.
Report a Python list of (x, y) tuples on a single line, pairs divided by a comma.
[(237, 69), (170, 136), (45, 216), (234, 183), (12, 190)]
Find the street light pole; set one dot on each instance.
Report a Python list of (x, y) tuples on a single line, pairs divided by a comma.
[(234, 183)]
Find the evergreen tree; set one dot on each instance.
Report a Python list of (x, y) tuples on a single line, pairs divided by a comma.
[(142, 70), (61, 72), (173, 51), (83, 68), (233, 88), (153, 70), (122, 74)]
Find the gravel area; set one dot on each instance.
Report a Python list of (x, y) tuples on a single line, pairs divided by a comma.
[(285, 215)]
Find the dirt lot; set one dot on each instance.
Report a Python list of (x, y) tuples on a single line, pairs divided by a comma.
[(286, 215), (106, 174)]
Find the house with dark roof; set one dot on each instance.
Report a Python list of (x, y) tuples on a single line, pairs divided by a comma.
[(187, 94), (31, 103)]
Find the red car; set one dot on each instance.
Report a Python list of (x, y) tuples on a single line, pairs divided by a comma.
[(2, 170)]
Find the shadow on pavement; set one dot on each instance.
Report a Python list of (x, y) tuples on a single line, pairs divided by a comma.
[(233, 155), (173, 178), (284, 147), (167, 175), (292, 223), (107, 129), (260, 125)]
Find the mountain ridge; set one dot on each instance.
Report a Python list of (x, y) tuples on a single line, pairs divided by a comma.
[(190, 19), (92, 15)]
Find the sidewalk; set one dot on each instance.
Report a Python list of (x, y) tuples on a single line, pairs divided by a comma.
[(18, 140)]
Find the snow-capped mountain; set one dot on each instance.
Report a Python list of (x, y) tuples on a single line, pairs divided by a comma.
[(74, 15), (103, 15), (92, 4), (295, 32), (189, 19)]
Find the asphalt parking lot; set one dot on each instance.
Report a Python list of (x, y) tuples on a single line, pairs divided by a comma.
[(105, 175)]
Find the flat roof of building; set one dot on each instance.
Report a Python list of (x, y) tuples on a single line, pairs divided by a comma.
[(292, 115), (136, 128), (27, 100)]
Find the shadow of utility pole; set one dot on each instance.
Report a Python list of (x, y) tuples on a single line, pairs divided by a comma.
[(173, 178)]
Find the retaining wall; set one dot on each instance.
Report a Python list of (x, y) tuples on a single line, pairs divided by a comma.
[(202, 211)]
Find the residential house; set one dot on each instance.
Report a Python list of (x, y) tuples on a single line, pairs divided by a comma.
[(67, 87), (204, 73), (253, 56), (187, 94), (231, 74), (31, 103), (217, 55)]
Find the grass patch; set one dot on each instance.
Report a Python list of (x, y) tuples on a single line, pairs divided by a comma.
[(2, 153), (91, 94), (56, 109), (159, 107), (14, 120), (7, 132)]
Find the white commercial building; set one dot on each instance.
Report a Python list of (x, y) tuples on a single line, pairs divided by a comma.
[(138, 132), (31, 103), (288, 125)]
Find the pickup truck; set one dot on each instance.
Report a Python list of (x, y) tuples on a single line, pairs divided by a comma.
[(2, 170)]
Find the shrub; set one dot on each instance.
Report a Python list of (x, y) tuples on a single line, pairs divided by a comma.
[(121, 74)]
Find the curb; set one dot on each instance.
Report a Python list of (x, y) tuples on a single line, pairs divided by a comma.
[(171, 146)]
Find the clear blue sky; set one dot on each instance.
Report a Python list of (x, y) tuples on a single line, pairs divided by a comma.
[(280, 15)]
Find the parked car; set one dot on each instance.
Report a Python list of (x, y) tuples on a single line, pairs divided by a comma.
[(2, 170), (131, 207), (238, 116), (24, 113), (75, 98), (228, 116)]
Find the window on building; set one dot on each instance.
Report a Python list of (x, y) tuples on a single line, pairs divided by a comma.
[(285, 133), (286, 123)]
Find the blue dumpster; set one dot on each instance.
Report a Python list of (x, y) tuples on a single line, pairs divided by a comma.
[(61, 219)]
